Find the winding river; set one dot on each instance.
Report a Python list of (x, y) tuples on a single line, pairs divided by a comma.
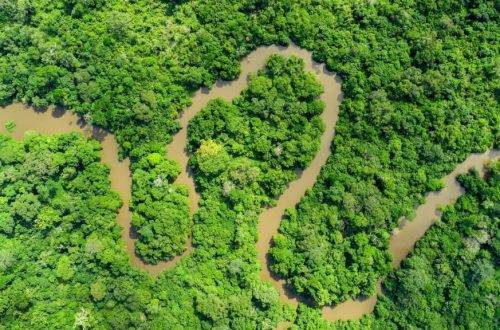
[(402, 240)]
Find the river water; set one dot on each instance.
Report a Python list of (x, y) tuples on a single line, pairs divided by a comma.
[(54, 121), (228, 90), (402, 240)]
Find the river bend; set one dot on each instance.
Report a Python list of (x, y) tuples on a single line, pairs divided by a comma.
[(401, 242)]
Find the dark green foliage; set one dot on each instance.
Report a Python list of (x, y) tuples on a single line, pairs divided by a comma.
[(161, 209), (60, 248), (420, 85), (450, 279)]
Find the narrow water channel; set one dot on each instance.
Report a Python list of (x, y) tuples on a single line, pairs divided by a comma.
[(409, 232), (402, 240), (228, 90), (56, 121)]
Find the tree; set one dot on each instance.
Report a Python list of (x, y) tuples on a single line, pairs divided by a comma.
[(6, 259), (98, 289), (64, 269), (10, 125)]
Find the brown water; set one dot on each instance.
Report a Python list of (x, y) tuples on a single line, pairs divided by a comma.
[(57, 121), (228, 90), (401, 242), (403, 238), (270, 218)]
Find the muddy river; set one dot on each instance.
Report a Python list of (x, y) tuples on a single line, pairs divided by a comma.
[(55, 121), (402, 240)]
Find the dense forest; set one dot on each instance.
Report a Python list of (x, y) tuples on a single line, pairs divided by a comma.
[(275, 122), (450, 279), (160, 209), (420, 85), (237, 176), (62, 263), (418, 98)]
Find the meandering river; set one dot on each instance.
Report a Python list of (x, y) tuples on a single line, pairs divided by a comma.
[(402, 240)]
